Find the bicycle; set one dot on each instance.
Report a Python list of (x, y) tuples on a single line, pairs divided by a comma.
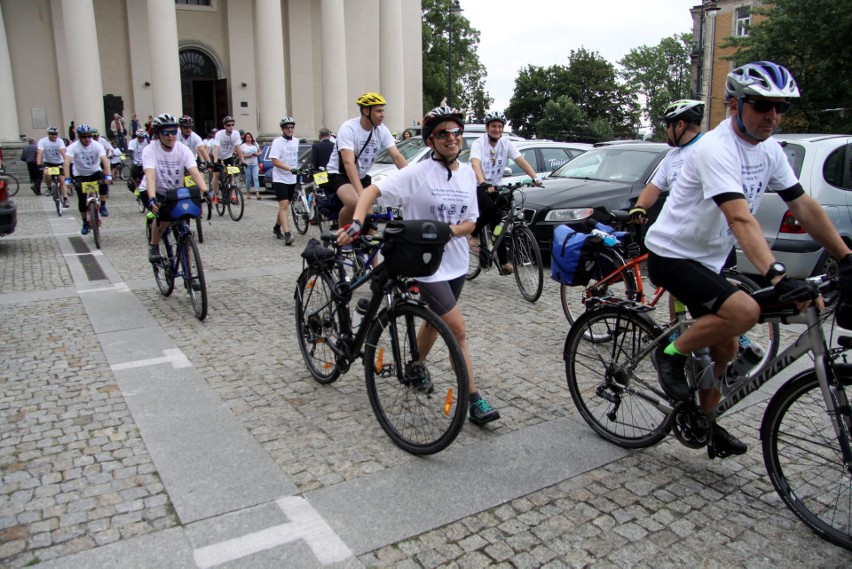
[(55, 189), (420, 400), (182, 258), (229, 195), (304, 207), (805, 430), (523, 248), (121, 169), (616, 275), (93, 204), (12, 184)]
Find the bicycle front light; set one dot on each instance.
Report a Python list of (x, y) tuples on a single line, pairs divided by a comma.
[(568, 215)]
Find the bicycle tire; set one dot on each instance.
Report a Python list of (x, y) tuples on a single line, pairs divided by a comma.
[(221, 201), (317, 215), (124, 172), (199, 228), (94, 222), (237, 203), (12, 184), (767, 334), (56, 194), (418, 420), (300, 216), (615, 396), (193, 275), (318, 324), (803, 457), (606, 261), (526, 258), (140, 201)]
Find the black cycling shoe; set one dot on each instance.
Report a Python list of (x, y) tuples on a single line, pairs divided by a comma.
[(276, 229), (672, 375), (723, 444), (154, 254)]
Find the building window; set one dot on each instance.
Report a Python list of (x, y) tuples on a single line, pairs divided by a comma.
[(743, 21), (194, 2)]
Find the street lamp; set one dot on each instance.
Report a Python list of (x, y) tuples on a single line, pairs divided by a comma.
[(706, 7), (453, 9)]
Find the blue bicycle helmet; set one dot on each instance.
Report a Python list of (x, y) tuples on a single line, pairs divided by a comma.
[(85, 129), (762, 79)]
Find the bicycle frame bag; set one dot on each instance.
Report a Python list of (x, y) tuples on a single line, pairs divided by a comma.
[(414, 248), (180, 203), (573, 256)]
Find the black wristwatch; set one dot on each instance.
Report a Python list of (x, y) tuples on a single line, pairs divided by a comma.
[(775, 269)]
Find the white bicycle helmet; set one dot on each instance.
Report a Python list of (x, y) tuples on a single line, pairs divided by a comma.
[(492, 116), (141, 133), (287, 120), (437, 115), (762, 79), (684, 110), (164, 120)]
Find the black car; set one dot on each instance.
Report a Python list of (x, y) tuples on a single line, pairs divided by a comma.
[(607, 177)]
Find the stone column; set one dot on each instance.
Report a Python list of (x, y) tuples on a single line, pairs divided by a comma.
[(391, 68), (83, 58), (272, 85), (9, 127), (165, 64), (334, 76)]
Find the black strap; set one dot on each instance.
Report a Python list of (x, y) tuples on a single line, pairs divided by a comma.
[(357, 156)]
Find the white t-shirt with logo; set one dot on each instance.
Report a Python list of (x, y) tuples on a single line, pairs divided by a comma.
[(691, 225), (137, 147), (495, 158), (352, 136), (86, 159), (168, 165), (227, 143), (286, 151), (193, 141), (425, 193), (51, 151)]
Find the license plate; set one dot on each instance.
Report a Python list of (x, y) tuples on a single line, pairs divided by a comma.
[(90, 187), (53, 171), (232, 170), (321, 178)]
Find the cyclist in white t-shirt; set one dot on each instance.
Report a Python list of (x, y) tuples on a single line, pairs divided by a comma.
[(51, 154), (284, 155), (226, 149), (90, 165), (359, 141), (442, 189), (710, 206), (135, 147), (164, 162), (192, 140), (489, 156)]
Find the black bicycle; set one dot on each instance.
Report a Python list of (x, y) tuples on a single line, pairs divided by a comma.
[(55, 189), (414, 369), (523, 248), (228, 194)]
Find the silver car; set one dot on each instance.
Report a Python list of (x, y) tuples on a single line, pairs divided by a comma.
[(823, 164)]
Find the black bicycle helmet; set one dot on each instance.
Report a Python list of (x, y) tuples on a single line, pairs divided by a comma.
[(186, 121)]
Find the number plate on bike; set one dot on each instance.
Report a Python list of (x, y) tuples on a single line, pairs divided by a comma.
[(232, 170), (53, 171), (188, 182), (321, 178), (89, 187), (122, 157)]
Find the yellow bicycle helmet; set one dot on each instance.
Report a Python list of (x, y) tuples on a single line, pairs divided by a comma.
[(370, 100)]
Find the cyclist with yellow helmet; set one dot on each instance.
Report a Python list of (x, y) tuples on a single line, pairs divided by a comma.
[(359, 141)]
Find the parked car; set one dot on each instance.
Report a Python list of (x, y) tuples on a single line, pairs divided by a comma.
[(264, 163), (608, 177), (8, 211), (823, 164), (543, 155)]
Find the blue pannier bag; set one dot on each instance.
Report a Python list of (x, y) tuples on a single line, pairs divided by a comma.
[(573, 256), (181, 202)]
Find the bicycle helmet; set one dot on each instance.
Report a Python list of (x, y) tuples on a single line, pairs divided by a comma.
[(52, 130), (186, 121), (492, 116), (287, 120), (227, 119), (85, 129), (95, 133), (370, 100), (164, 120), (141, 133), (762, 79), (438, 115), (684, 110)]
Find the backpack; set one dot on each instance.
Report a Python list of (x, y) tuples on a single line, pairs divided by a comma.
[(573, 256)]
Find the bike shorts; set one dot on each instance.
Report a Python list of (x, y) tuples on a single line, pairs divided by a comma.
[(441, 296), (284, 192), (337, 180), (700, 289)]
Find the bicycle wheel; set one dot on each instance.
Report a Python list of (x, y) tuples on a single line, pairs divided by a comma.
[(11, 184), (350, 266), (299, 213), (766, 334), (140, 201), (124, 172), (193, 276), (236, 204), (617, 395), (56, 194), (317, 215), (526, 257), (222, 198), (622, 287), (423, 406), (318, 324), (95, 222), (163, 269), (199, 228), (803, 456)]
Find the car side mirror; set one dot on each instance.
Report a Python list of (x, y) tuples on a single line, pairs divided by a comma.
[(507, 171)]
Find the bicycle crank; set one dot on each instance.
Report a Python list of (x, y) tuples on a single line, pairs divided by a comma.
[(690, 426)]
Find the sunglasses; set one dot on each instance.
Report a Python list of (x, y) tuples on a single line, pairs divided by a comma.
[(443, 134), (168, 132), (229, 124), (84, 136), (764, 106)]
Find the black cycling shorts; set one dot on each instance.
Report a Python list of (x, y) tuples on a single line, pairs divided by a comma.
[(700, 289), (441, 296), (284, 192), (337, 180)]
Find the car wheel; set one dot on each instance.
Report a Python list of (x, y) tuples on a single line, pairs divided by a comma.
[(827, 265)]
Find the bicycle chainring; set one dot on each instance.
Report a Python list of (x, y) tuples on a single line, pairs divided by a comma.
[(690, 426)]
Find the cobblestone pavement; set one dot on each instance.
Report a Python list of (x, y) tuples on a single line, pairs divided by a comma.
[(76, 472)]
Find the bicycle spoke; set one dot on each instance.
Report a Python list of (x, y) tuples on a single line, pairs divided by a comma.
[(317, 324)]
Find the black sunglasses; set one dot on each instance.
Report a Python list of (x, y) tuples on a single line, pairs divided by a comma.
[(441, 135), (764, 106), (168, 132), (229, 124), (84, 136)]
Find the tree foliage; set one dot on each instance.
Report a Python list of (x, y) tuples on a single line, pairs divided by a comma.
[(588, 84), (468, 73), (811, 40), (659, 75)]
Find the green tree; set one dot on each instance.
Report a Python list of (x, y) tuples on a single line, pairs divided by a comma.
[(808, 39), (659, 75), (468, 73)]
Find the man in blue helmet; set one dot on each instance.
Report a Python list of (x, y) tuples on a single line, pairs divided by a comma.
[(710, 206)]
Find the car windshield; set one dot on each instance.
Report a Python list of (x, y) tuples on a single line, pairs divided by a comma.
[(408, 148), (795, 156), (609, 164)]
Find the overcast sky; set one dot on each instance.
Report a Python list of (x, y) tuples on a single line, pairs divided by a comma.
[(518, 33)]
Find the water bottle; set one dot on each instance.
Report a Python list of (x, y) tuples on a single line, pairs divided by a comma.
[(358, 314), (609, 240), (702, 368), (744, 362)]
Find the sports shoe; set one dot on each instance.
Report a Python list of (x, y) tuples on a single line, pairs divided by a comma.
[(289, 239), (104, 210), (423, 383), (154, 254), (723, 444), (65, 203), (508, 268), (85, 229), (672, 376), (481, 412), (276, 229)]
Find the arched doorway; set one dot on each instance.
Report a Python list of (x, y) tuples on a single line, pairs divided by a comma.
[(205, 96)]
